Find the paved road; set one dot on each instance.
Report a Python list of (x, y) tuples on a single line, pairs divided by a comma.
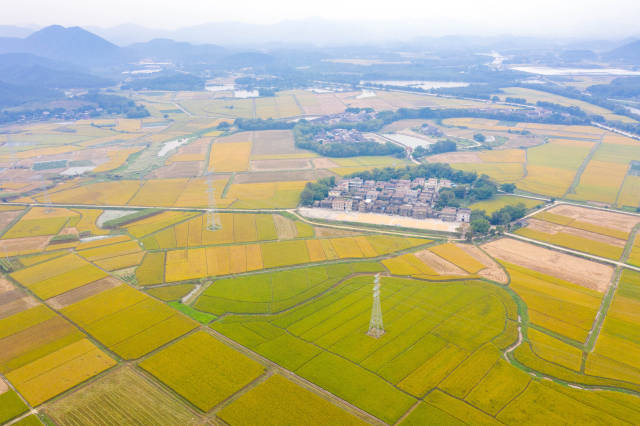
[(579, 253)]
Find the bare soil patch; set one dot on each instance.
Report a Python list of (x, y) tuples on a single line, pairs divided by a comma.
[(455, 157), (80, 293), (493, 270), (24, 244), (269, 142), (324, 163), (179, 169), (552, 228), (3, 386), (7, 217), (287, 164), (438, 264), (612, 220), (286, 228), (574, 269)]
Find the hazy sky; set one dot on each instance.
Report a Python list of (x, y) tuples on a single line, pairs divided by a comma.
[(613, 18)]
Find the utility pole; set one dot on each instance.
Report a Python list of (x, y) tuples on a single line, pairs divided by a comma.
[(376, 328)]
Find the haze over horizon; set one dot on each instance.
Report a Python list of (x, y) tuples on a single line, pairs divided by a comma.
[(545, 18)]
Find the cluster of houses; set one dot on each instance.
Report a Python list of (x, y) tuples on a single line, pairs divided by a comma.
[(340, 136), (412, 198), (359, 116)]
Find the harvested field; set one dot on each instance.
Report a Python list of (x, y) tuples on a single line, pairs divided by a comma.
[(285, 227), (182, 169), (493, 271), (552, 228), (609, 219), (291, 164), (229, 157), (121, 397), (7, 217), (589, 274), (82, 293), (455, 157), (438, 264), (16, 246), (269, 142)]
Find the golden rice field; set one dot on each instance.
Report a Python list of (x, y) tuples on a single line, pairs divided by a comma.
[(630, 192), (600, 181), (575, 242), (229, 157), (43, 355), (202, 369), (128, 322), (500, 172), (196, 263)]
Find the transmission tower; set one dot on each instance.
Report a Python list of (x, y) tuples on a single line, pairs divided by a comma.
[(46, 200), (212, 221), (376, 328)]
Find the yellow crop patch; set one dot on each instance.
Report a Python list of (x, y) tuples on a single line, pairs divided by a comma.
[(459, 257), (230, 157)]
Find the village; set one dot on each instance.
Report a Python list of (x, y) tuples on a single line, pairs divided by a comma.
[(415, 198)]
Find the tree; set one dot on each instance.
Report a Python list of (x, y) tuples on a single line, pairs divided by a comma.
[(508, 187), (479, 137), (480, 226)]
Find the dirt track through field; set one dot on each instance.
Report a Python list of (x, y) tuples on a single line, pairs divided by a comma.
[(493, 271)]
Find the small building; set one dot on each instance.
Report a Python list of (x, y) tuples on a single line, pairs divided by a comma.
[(342, 204), (463, 215), (405, 210), (448, 214)]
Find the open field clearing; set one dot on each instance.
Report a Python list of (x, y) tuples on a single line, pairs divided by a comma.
[(229, 157), (122, 397), (59, 275), (202, 369), (502, 201), (587, 273), (618, 345), (127, 321), (378, 219), (278, 400), (224, 260), (576, 239), (276, 291), (430, 330), (533, 96)]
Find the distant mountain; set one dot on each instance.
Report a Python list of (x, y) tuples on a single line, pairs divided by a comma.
[(25, 69), (174, 51), (628, 53), (14, 95), (72, 44)]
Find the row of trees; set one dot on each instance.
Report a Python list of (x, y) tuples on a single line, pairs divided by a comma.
[(436, 148)]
